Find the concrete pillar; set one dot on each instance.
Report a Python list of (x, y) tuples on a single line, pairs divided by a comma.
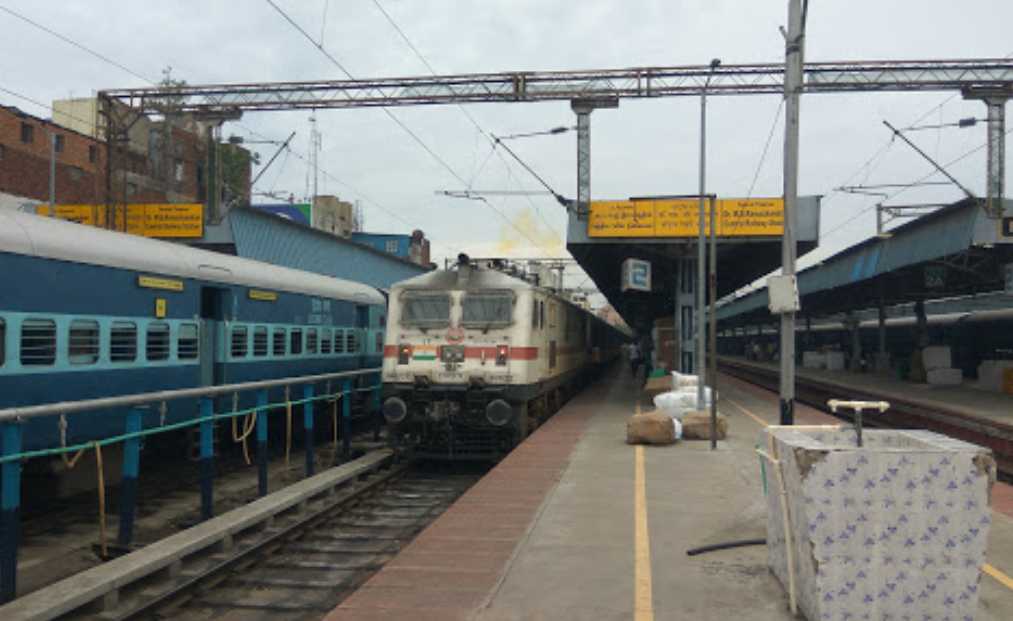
[(854, 327)]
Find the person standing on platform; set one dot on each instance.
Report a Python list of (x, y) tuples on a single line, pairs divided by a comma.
[(634, 358)]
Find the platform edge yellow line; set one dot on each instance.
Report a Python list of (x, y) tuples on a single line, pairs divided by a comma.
[(643, 598)]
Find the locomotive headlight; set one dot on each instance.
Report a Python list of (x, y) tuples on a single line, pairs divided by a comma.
[(501, 355), (499, 412), (404, 354), (395, 410)]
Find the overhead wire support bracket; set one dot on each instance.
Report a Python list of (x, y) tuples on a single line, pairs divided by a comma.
[(899, 134)]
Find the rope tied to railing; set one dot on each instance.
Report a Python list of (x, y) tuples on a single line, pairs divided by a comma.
[(288, 423), (248, 426), (71, 462)]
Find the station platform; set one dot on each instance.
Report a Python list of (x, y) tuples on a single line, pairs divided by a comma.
[(964, 399), (576, 524)]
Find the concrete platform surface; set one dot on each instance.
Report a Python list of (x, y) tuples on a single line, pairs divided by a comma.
[(577, 525)]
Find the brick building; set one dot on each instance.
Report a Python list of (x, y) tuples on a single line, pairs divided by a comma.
[(25, 157)]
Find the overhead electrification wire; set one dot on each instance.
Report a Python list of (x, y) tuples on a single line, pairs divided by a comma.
[(766, 147), (136, 74), (907, 187), (488, 135), (79, 46), (415, 137)]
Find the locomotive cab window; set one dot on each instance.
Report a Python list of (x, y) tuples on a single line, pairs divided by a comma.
[(123, 341), (425, 310), (38, 342), (157, 347), (487, 309), (187, 347), (83, 342)]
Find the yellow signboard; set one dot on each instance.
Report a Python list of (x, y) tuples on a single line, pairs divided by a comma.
[(148, 220), (263, 296), (737, 217), (154, 282)]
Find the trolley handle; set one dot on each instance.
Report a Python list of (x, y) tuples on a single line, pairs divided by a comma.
[(858, 407)]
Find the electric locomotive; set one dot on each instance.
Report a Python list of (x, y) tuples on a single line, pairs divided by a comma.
[(475, 357)]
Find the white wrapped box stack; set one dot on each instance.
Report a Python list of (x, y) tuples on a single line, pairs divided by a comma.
[(835, 361), (894, 529), (937, 357), (944, 377)]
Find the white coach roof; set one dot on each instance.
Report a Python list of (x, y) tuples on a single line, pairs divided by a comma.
[(37, 236)]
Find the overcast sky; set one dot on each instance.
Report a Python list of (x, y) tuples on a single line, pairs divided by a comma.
[(644, 147)]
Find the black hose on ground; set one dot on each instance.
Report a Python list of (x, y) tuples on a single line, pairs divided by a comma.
[(726, 545)]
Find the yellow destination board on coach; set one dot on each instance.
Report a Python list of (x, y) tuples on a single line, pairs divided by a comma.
[(679, 218)]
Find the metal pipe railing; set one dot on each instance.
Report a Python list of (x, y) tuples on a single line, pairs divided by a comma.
[(71, 407)]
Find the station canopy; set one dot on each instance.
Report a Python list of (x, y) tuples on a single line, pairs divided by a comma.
[(663, 232)]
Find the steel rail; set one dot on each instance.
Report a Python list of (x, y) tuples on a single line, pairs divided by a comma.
[(533, 86), (17, 414)]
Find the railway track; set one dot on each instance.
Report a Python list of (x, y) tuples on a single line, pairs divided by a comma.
[(902, 413), (306, 563)]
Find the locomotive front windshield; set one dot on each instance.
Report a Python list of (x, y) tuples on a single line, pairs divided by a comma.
[(487, 309), (425, 310)]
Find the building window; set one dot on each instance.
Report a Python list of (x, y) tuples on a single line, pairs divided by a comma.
[(157, 346), (38, 342), (83, 344), (131, 189), (187, 344), (325, 341), (75, 173), (278, 342), (311, 341), (391, 246), (295, 342), (27, 133), (260, 341), (179, 171), (92, 153), (123, 342), (239, 338), (58, 143), (3, 151)]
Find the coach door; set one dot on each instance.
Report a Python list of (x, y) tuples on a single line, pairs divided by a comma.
[(212, 318), (362, 325)]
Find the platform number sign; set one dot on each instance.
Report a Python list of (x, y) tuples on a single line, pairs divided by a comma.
[(636, 275)]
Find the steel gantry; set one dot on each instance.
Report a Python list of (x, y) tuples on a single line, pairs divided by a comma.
[(533, 86)]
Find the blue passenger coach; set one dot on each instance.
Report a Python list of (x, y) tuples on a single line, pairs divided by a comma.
[(87, 313)]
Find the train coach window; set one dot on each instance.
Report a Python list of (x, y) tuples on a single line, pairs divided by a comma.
[(295, 342), (157, 346), (82, 347), (38, 342), (260, 341), (425, 310), (187, 343), (278, 342), (239, 341), (3, 342), (123, 341), (351, 342), (487, 309), (534, 315), (339, 341), (311, 341), (325, 341)]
